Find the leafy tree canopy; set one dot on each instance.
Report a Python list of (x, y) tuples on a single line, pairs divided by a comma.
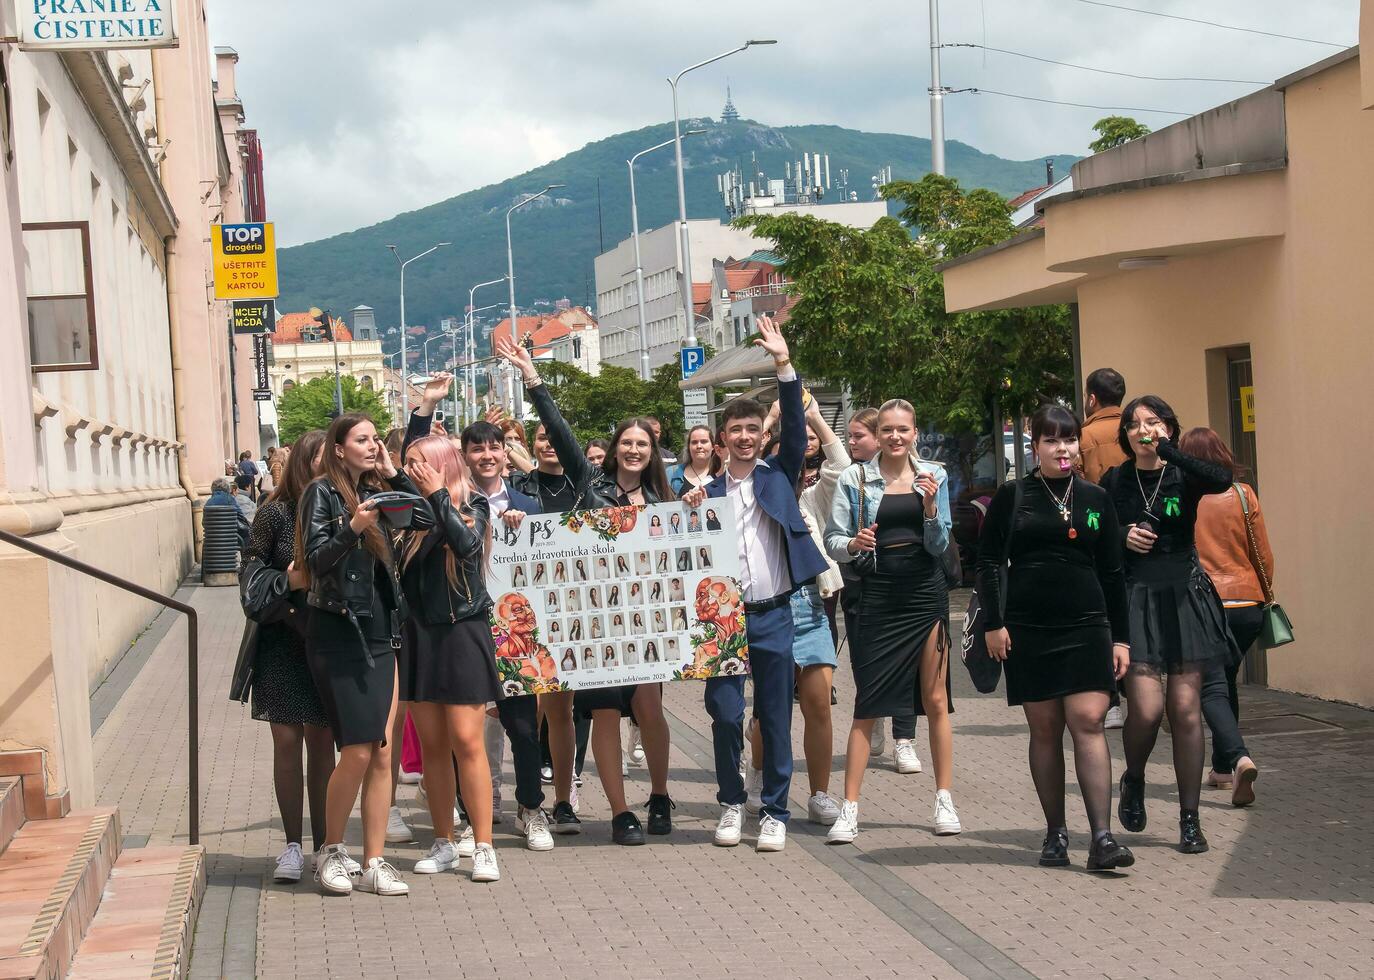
[(1114, 130), (309, 406)]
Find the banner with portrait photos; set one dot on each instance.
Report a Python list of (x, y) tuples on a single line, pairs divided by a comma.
[(623, 595)]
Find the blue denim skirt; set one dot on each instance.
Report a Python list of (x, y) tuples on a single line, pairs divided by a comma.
[(813, 644)]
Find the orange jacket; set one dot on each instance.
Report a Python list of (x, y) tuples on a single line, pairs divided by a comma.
[(1098, 449), (1223, 548)]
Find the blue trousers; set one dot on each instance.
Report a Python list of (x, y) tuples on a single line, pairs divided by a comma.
[(772, 670)]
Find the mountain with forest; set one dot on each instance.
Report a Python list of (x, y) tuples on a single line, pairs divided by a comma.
[(556, 240)]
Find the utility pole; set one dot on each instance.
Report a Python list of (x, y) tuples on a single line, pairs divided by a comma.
[(937, 95)]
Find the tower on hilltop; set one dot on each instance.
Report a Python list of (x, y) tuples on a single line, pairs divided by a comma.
[(729, 114)]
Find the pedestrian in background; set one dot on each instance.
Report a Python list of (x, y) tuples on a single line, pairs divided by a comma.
[(699, 465), (1099, 449)]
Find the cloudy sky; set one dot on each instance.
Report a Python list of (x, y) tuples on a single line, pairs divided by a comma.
[(368, 108)]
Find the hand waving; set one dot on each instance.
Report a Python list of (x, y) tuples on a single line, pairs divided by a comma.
[(770, 338), (516, 355)]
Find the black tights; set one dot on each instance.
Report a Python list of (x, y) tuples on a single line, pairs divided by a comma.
[(291, 786), (1083, 715), (1148, 697)]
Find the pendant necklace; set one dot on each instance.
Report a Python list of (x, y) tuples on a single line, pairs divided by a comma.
[(1150, 499), (1063, 504)]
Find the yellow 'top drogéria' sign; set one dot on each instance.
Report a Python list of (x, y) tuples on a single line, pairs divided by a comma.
[(245, 261)]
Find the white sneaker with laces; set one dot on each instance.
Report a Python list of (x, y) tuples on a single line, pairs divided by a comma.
[(466, 842), (634, 745), (534, 824), (381, 878), (397, 830), (332, 872), (1115, 717), (354, 868), (484, 864), (946, 817), (904, 756), (411, 778), (290, 864), (846, 825), (772, 834), (730, 827), (879, 738), (753, 785), (822, 809), (443, 855), (573, 799)]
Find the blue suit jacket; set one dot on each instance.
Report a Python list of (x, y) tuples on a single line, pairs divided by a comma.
[(522, 501), (775, 482)]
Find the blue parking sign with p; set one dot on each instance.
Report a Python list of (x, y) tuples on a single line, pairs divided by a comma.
[(692, 360)]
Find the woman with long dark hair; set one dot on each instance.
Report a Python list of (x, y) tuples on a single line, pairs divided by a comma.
[(352, 634), (283, 693), (699, 466), (632, 474), (1178, 626), (1063, 639)]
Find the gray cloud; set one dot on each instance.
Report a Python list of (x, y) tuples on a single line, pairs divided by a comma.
[(368, 108)]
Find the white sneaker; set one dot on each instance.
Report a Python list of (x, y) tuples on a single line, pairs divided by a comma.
[(534, 824), (904, 756), (354, 868), (443, 855), (381, 878), (411, 778), (397, 830), (730, 826), (879, 738), (772, 834), (484, 864), (634, 745), (1115, 717), (822, 809), (466, 842), (946, 817), (753, 785), (290, 864), (574, 800), (332, 872), (846, 825)]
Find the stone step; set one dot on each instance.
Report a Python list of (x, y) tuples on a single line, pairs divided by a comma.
[(11, 809), (147, 917), (51, 877)]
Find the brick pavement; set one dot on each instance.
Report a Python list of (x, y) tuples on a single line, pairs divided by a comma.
[(1285, 891)]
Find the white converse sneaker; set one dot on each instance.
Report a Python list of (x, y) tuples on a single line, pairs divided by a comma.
[(846, 825), (904, 756), (443, 855), (466, 842), (634, 746), (534, 824), (290, 864), (397, 830), (575, 799), (879, 738), (753, 785), (484, 864), (410, 778), (772, 834), (946, 817), (730, 827), (381, 878), (332, 872), (1115, 717), (354, 868), (822, 809)]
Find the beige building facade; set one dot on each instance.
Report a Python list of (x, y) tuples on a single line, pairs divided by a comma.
[(1223, 263)]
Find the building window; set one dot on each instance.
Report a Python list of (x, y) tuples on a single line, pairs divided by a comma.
[(287, 385), (61, 295), (367, 381), (577, 347)]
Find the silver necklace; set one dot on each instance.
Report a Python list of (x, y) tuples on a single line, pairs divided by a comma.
[(1151, 498), (1064, 504)]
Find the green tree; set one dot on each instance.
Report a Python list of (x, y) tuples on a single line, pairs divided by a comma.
[(308, 406), (1114, 130)]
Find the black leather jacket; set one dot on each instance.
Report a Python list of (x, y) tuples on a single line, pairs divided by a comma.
[(433, 599)]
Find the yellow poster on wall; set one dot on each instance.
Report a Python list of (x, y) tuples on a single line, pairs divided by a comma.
[(245, 258), (1247, 408)]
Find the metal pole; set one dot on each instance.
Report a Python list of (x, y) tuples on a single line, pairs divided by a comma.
[(937, 95), (405, 361), (471, 370), (338, 381), (516, 396)]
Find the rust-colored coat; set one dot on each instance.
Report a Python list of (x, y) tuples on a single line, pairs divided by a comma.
[(1097, 447), (1223, 548)]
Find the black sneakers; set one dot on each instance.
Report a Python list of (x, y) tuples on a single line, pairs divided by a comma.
[(1106, 855), (564, 820), (625, 830), (660, 814), (1131, 808), (1054, 853), (1191, 840)]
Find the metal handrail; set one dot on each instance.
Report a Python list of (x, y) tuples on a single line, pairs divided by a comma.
[(192, 654)]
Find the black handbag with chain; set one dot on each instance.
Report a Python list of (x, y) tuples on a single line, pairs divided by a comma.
[(984, 669), (865, 563)]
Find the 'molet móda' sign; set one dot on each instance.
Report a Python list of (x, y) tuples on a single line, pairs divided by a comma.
[(92, 25)]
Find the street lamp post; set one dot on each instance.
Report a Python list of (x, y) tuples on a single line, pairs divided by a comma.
[(639, 264), (470, 372), (405, 366), (510, 279), (685, 245)]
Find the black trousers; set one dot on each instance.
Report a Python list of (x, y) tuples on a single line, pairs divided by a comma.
[(1220, 703), (519, 717), (903, 727)]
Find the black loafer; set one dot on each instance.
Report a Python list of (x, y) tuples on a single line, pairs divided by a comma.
[(1131, 808), (1106, 854), (1191, 839), (661, 814), (1054, 853), (625, 830), (564, 820)]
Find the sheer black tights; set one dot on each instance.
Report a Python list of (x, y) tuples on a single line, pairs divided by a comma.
[(292, 786), (1083, 715), (1148, 697)]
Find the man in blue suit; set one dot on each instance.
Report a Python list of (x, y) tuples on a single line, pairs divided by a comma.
[(776, 555)]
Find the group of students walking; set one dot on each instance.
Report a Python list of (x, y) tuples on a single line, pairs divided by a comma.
[(377, 600)]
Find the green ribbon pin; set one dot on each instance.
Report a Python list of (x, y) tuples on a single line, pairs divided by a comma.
[(1171, 507), (1093, 518)]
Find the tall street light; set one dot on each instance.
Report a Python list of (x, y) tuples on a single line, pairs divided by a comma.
[(510, 278), (686, 245), (405, 365), (639, 264), (470, 372)]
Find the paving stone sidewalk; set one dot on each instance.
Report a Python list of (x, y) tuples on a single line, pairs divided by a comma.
[(1285, 891)]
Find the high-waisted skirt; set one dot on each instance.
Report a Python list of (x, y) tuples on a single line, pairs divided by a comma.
[(454, 663), (904, 601), (1177, 619), (1048, 662), (356, 695)]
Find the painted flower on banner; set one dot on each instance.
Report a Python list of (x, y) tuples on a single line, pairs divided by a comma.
[(720, 644), (607, 524)]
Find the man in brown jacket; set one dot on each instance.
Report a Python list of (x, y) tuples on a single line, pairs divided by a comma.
[(1098, 448)]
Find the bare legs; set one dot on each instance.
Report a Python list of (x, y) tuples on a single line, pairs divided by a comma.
[(606, 752), (813, 687), (366, 766), (856, 756), (1149, 698), (1083, 715), (934, 674), (653, 732), (292, 787), (457, 730), (398, 731), (558, 711)]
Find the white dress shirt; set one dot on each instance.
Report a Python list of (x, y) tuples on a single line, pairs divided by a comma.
[(762, 549), (499, 502)]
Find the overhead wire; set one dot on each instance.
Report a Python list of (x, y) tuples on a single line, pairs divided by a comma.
[(1078, 105), (1105, 71), (1213, 23)]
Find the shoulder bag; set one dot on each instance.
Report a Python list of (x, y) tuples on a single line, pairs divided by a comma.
[(1276, 630), (984, 669), (865, 563)]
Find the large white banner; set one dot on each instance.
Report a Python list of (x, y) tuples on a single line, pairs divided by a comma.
[(625, 595), (93, 25)]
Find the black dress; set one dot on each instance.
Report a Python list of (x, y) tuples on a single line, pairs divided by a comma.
[(357, 695), (283, 691), (1177, 621), (1066, 596)]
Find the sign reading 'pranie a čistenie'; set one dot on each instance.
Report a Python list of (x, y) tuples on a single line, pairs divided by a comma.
[(92, 25)]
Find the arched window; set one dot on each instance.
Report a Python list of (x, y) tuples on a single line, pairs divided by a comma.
[(287, 385), (367, 381)]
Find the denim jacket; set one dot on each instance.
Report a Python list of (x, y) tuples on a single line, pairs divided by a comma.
[(844, 522)]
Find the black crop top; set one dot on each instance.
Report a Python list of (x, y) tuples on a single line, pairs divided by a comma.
[(901, 519)]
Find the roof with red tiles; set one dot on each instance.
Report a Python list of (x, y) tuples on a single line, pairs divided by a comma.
[(290, 325), (1025, 196), (546, 329)]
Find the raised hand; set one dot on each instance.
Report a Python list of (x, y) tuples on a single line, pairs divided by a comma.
[(426, 477), (436, 388), (516, 355), (495, 414), (770, 338)]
